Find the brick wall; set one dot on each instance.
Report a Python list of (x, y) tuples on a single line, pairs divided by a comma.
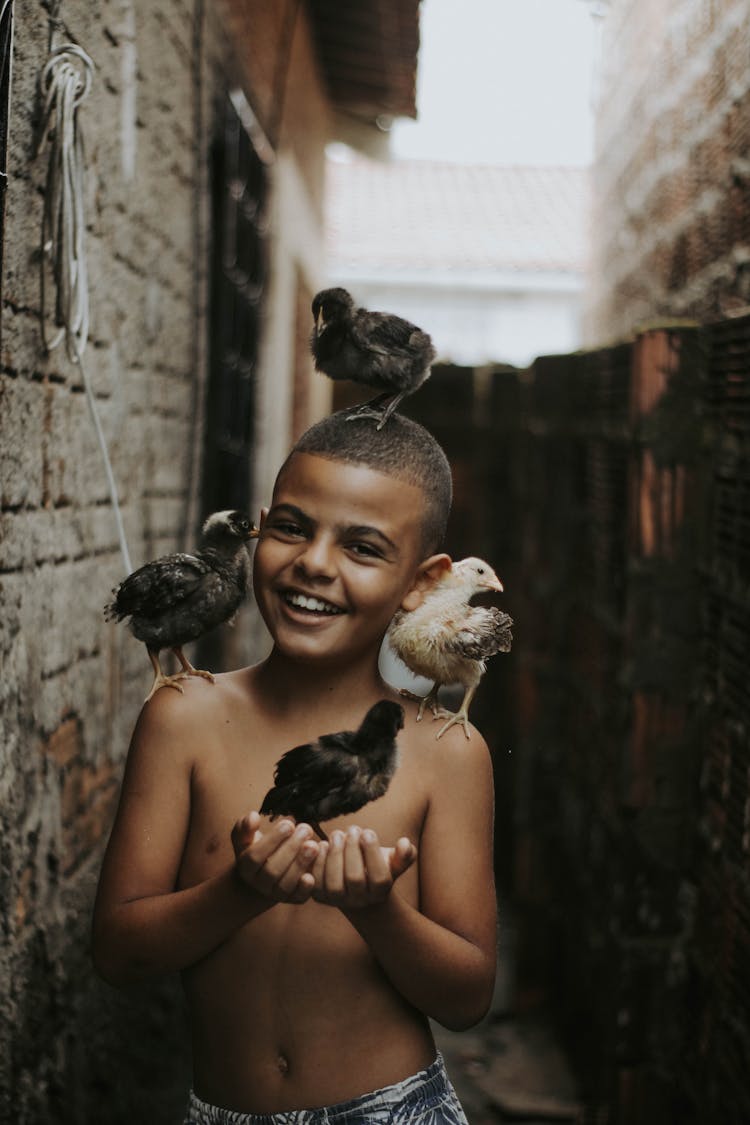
[(671, 180), (71, 1049), (71, 684)]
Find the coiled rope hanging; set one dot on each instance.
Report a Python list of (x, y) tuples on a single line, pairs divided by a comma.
[(65, 82)]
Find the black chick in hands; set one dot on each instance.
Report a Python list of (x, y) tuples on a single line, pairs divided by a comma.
[(338, 773), (375, 348), (177, 598)]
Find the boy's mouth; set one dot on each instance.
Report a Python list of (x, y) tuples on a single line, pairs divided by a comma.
[(307, 603)]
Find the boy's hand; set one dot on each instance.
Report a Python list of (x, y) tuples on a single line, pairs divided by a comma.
[(354, 871), (276, 862)]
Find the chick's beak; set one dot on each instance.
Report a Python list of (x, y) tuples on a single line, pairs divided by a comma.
[(494, 584), (253, 533)]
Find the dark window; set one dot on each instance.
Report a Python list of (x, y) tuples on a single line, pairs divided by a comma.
[(238, 272)]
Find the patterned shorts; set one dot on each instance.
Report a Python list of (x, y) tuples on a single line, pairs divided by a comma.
[(427, 1098)]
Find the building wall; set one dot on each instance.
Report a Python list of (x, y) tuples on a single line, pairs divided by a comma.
[(71, 1049), (278, 64), (671, 180)]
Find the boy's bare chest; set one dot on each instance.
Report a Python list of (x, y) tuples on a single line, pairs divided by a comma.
[(237, 771)]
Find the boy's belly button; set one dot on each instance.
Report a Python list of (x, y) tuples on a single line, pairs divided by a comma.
[(282, 1062)]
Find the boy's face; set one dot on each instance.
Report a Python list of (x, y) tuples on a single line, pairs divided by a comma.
[(339, 551)]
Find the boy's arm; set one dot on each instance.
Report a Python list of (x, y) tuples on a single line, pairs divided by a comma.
[(442, 956), (142, 925)]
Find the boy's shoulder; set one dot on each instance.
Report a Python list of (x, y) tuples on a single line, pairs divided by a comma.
[(187, 717), (454, 774), (452, 750)]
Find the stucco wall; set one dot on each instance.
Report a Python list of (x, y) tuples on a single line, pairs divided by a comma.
[(671, 180)]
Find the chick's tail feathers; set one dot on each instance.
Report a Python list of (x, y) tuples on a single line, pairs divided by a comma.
[(110, 610), (273, 805)]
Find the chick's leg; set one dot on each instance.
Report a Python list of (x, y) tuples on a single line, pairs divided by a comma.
[(461, 716), (430, 700), (380, 408), (390, 408), (187, 667), (160, 680)]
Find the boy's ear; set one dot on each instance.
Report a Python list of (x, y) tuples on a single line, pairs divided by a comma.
[(428, 573), (263, 514)]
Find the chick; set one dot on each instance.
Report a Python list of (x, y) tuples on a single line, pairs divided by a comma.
[(448, 641), (338, 773), (374, 348), (178, 598)]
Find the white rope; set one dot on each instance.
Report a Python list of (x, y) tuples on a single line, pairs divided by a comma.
[(65, 82), (7, 10)]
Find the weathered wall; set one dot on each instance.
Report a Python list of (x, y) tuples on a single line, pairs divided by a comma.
[(628, 580), (71, 1049), (609, 676), (671, 179), (71, 686)]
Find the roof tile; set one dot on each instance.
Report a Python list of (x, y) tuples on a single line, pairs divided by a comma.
[(426, 215)]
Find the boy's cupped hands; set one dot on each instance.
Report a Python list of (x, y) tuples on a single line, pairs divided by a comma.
[(287, 863)]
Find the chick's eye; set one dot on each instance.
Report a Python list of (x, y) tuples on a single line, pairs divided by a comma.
[(480, 570)]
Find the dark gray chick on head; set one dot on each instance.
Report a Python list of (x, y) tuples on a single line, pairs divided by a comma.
[(178, 598), (378, 349), (338, 773)]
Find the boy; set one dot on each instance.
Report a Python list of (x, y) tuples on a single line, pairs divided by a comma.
[(311, 968)]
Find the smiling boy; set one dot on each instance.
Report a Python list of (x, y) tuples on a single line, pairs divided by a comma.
[(311, 968)]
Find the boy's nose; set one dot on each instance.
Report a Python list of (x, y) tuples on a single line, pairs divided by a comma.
[(316, 560)]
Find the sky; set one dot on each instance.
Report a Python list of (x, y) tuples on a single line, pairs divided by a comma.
[(502, 82)]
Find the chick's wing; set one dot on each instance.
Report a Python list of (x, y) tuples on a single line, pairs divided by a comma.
[(383, 332), (319, 763), (484, 632), (309, 779), (161, 584)]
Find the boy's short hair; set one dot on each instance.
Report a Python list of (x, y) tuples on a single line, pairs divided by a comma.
[(402, 449)]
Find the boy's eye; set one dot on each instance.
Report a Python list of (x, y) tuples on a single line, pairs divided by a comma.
[(286, 527), (366, 550)]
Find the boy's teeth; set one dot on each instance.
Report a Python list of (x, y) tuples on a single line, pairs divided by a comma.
[(315, 604)]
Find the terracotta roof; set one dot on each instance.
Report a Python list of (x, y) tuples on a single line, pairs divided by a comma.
[(422, 215), (368, 51)]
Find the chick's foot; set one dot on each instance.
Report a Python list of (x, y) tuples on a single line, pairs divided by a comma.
[(189, 670), (160, 681), (454, 718)]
